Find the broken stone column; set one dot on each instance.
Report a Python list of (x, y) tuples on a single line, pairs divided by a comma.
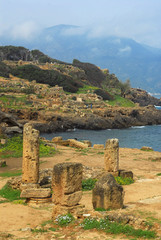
[(66, 186), (111, 156), (30, 188), (30, 165), (107, 194)]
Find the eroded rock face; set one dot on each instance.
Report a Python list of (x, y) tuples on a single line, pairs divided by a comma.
[(30, 166), (107, 193), (111, 156), (9, 124), (67, 183)]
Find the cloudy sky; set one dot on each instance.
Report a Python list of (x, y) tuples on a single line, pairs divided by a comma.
[(136, 19)]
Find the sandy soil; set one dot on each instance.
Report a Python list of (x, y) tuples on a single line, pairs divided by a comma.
[(143, 198)]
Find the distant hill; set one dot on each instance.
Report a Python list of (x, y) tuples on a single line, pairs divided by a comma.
[(124, 57), (35, 65)]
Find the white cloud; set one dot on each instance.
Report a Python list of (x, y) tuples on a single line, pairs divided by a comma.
[(126, 49), (74, 31), (25, 30)]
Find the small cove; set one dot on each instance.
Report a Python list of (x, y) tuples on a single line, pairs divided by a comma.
[(133, 137)]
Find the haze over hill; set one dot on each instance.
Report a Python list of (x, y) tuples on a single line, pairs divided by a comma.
[(122, 56)]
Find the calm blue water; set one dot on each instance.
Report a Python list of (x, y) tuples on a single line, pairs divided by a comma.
[(134, 137)]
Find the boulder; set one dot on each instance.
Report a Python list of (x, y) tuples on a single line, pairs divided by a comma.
[(87, 142), (125, 174), (77, 144), (107, 193), (57, 139)]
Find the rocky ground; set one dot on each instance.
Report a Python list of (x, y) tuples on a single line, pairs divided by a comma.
[(142, 198)]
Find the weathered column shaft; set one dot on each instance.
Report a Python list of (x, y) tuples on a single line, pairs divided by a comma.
[(111, 157), (67, 183), (30, 166)]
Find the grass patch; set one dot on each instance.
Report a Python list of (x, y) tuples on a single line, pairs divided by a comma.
[(124, 181), (20, 201), (14, 148), (100, 209), (158, 174), (46, 151), (116, 228), (64, 220), (100, 153), (38, 230), (88, 184), (86, 88), (16, 102), (146, 150), (11, 174), (122, 102), (46, 222), (9, 193), (52, 229)]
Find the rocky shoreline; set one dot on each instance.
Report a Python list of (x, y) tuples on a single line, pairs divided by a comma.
[(97, 119)]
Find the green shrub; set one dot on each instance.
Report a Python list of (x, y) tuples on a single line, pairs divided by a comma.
[(51, 77), (104, 94), (124, 181), (88, 184), (9, 193), (158, 174)]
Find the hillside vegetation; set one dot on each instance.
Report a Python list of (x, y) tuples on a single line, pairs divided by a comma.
[(74, 78), (34, 65)]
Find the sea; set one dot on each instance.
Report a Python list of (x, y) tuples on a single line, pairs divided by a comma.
[(133, 137)]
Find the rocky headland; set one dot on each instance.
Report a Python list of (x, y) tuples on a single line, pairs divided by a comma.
[(56, 96)]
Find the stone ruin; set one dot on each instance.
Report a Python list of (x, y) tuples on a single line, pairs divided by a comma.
[(67, 179), (31, 190), (67, 188), (107, 194), (111, 157)]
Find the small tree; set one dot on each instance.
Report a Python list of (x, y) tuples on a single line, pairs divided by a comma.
[(124, 87)]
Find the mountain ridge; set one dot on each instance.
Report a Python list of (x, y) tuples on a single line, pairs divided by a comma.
[(125, 57)]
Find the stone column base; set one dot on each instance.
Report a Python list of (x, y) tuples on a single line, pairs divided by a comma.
[(38, 202), (76, 210)]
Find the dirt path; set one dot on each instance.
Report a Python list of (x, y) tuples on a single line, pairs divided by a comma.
[(143, 198)]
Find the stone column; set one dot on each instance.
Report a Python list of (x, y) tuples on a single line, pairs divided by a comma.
[(111, 157), (30, 165), (67, 188), (67, 183)]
